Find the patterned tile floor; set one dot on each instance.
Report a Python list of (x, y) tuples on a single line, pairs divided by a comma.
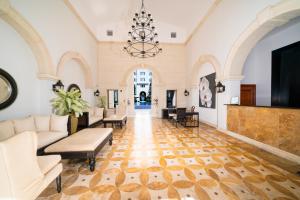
[(152, 159)]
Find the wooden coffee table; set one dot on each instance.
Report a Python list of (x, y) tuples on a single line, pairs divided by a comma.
[(115, 120), (83, 144)]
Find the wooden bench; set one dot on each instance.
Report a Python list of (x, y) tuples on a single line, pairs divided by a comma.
[(115, 120), (83, 144)]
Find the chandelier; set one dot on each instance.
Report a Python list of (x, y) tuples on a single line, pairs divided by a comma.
[(142, 42)]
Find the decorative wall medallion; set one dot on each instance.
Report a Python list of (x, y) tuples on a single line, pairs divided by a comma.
[(8, 89), (207, 91)]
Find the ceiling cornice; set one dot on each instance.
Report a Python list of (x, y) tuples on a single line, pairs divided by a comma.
[(202, 21), (122, 42), (73, 10)]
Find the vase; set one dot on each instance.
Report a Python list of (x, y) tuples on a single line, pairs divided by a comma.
[(74, 124)]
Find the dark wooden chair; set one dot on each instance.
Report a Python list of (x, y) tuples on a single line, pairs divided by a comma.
[(171, 113), (180, 116)]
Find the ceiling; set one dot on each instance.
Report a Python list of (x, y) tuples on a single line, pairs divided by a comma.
[(180, 16)]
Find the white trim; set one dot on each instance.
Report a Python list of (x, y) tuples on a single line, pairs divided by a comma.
[(266, 147), (208, 123)]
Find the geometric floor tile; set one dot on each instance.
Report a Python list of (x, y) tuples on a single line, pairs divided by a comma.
[(152, 159)]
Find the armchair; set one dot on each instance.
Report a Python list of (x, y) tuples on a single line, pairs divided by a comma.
[(24, 175)]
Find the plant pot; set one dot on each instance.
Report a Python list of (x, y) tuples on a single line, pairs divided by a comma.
[(74, 124)]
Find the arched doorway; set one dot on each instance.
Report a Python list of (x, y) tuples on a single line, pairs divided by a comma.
[(157, 94), (142, 84)]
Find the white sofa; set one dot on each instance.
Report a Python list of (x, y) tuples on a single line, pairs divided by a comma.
[(95, 115), (48, 129), (24, 175)]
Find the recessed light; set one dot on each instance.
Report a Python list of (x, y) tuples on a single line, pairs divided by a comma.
[(109, 33), (173, 35)]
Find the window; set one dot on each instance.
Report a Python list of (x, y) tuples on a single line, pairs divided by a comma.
[(150, 73), (142, 79), (134, 79), (150, 79), (142, 86), (142, 73), (134, 73)]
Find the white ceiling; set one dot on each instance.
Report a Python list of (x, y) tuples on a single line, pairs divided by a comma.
[(181, 16)]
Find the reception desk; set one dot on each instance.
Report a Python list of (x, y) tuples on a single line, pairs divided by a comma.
[(278, 127)]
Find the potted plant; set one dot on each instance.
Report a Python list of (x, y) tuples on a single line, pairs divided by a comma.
[(101, 103), (69, 103)]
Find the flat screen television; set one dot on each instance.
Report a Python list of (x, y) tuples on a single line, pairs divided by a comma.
[(285, 90)]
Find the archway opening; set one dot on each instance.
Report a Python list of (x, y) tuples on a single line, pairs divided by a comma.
[(142, 84)]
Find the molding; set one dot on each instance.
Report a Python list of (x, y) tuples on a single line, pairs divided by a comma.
[(85, 26), (46, 69), (208, 123), (197, 66), (202, 21), (265, 21), (266, 147), (47, 77), (156, 75), (123, 42), (72, 55)]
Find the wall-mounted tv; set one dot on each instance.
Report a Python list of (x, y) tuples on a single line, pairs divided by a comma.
[(286, 76)]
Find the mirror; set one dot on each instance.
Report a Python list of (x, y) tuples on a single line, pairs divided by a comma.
[(171, 98), (8, 89), (113, 99)]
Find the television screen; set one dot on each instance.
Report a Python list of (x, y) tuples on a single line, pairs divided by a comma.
[(285, 90)]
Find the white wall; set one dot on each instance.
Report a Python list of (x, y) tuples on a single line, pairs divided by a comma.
[(216, 37), (17, 59), (61, 31), (207, 115), (258, 66), (74, 73)]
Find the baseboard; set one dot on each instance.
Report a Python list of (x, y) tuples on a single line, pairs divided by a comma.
[(266, 147), (208, 123)]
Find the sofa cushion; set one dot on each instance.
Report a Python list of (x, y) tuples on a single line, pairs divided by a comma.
[(46, 163), (6, 130), (99, 112), (26, 124), (42, 123), (59, 123), (48, 137)]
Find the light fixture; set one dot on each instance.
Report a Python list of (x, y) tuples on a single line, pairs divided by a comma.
[(57, 86), (220, 87), (186, 93), (142, 42), (97, 93)]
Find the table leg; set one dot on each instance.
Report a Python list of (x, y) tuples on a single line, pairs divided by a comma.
[(58, 183), (110, 141), (92, 163), (104, 124)]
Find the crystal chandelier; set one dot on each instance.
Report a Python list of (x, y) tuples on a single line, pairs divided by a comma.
[(142, 42)]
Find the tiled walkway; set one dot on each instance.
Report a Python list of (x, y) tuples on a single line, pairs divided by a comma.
[(152, 159)]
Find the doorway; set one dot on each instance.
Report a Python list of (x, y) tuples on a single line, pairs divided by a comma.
[(142, 79)]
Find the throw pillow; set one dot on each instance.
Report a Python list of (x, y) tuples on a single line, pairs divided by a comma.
[(59, 123)]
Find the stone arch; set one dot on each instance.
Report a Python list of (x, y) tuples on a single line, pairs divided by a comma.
[(197, 66), (268, 19), (46, 69), (83, 63), (129, 72)]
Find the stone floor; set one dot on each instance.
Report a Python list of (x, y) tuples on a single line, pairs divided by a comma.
[(152, 159)]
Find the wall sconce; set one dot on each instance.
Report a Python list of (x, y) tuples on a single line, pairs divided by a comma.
[(220, 87), (97, 93), (186, 93), (57, 86)]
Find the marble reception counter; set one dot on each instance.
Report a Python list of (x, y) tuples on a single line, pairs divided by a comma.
[(278, 127)]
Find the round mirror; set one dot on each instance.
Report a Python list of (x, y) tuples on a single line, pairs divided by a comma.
[(8, 89)]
